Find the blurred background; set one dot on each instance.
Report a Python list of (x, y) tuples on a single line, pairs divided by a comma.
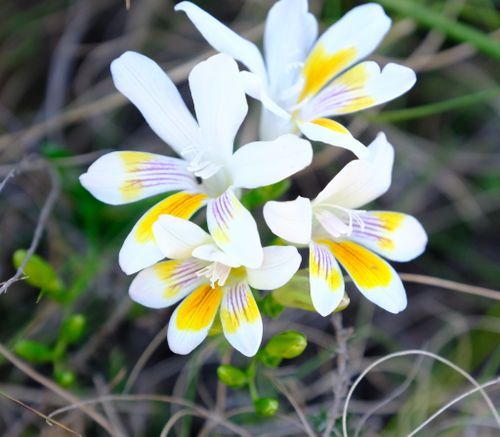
[(70, 333)]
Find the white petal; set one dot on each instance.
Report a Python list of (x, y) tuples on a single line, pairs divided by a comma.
[(223, 39), (361, 87), (210, 252), (325, 279), (374, 277), (333, 133), (347, 41), (397, 236), (144, 83), (240, 318), (177, 237), (266, 162), (123, 177), (279, 265), (220, 104), (288, 37), (361, 180), (255, 87), (140, 249), (290, 220), (166, 283), (193, 318), (272, 125), (234, 230)]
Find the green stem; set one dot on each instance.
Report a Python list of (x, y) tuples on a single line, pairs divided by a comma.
[(455, 30), (252, 387)]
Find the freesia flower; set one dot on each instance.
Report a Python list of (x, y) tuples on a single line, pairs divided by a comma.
[(206, 147), (304, 80), (208, 280), (337, 230)]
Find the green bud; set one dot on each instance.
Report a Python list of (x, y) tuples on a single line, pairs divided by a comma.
[(266, 406), (270, 307), (257, 197), (39, 272), (231, 376), (295, 294), (64, 377), (33, 351), (267, 359), (288, 344), (73, 328)]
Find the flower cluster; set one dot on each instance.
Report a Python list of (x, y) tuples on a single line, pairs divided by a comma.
[(301, 81)]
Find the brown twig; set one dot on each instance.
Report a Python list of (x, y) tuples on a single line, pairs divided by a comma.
[(341, 381)]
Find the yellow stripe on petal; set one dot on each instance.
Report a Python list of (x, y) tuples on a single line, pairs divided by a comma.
[(332, 125), (240, 318), (197, 311), (364, 267), (355, 78), (321, 66), (182, 205), (323, 270)]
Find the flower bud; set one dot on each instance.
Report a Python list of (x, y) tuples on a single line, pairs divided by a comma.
[(231, 376), (73, 328), (270, 307), (288, 344), (64, 377), (266, 406), (33, 351)]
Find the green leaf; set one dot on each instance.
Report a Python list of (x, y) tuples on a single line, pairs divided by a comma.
[(288, 344), (33, 351), (73, 328), (453, 29), (266, 406), (39, 272), (231, 376), (257, 197)]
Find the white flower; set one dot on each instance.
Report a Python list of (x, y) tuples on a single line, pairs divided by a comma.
[(206, 147), (209, 281), (336, 230), (303, 80)]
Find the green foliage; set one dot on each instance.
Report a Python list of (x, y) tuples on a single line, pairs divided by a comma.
[(73, 329), (34, 351), (270, 307), (231, 376), (267, 407), (64, 376), (288, 344), (259, 196)]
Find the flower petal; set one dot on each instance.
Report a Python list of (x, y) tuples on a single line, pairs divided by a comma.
[(144, 83), (279, 265), (240, 318), (166, 283), (288, 37), (347, 41), (177, 237), (264, 163), (290, 220), (123, 177), (361, 180), (192, 319), (373, 276), (210, 252), (220, 104), (140, 249), (223, 39), (333, 133), (361, 87), (397, 236), (234, 230), (325, 278)]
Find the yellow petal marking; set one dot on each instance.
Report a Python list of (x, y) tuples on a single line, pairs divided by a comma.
[(132, 161), (249, 313), (389, 222), (322, 66), (332, 125), (182, 205), (197, 310), (332, 276), (354, 80), (366, 268)]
